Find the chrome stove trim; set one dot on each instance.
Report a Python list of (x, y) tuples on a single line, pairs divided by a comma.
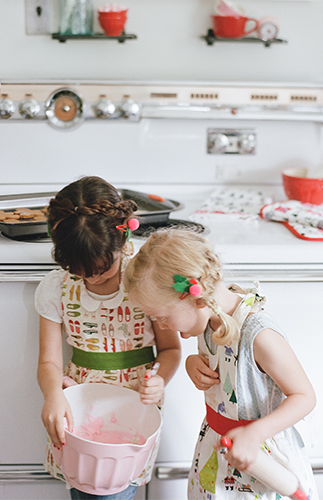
[(178, 100)]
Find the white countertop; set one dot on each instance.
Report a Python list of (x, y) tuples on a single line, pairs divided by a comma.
[(251, 242)]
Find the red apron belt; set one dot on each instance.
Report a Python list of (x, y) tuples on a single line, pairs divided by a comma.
[(221, 424)]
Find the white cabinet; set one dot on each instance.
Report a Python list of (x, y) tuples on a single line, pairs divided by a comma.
[(23, 438), (297, 308)]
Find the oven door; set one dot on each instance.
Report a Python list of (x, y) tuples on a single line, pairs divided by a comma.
[(295, 300), (23, 437), (294, 297)]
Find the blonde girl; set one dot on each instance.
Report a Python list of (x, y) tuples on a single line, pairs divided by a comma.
[(255, 387)]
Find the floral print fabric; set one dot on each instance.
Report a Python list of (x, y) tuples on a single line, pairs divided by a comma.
[(303, 219)]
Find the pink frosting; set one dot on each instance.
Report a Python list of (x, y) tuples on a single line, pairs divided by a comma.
[(93, 430)]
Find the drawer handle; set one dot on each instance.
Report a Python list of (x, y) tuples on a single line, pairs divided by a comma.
[(172, 472)]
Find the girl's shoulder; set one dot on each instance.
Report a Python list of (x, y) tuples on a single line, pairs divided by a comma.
[(54, 279), (48, 295), (254, 324)]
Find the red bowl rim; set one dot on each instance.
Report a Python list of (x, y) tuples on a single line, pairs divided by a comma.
[(104, 12)]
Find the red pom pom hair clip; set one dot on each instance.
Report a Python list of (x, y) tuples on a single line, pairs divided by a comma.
[(131, 225), (195, 289), (186, 286)]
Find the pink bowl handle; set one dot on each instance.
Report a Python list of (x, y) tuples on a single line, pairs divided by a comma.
[(254, 28)]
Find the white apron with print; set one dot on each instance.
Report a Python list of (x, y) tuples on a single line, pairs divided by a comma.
[(211, 476), (112, 343)]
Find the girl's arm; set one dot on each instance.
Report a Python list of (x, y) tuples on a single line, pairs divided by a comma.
[(275, 357), (169, 356), (50, 376)]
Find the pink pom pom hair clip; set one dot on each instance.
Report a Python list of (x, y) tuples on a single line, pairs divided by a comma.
[(186, 286), (131, 225)]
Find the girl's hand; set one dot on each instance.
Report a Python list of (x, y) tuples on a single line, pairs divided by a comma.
[(151, 388), (197, 367), (54, 410), (244, 449)]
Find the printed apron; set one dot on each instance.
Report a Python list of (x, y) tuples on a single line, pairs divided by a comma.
[(211, 476), (108, 340)]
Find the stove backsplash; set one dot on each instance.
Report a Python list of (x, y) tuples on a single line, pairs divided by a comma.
[(155, 150)]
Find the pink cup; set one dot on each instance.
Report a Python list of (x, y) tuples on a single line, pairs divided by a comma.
[(232, 26)]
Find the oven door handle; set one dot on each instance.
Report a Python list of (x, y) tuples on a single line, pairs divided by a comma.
[(23, 473), (274, 273), (32, 276), (168, 473)]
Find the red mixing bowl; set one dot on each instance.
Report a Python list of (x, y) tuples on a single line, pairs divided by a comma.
[(299, 187), (113, 23)]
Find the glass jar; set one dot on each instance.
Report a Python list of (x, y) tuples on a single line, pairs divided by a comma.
[(76, 17)]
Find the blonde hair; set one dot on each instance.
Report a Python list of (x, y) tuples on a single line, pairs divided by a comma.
[(149, 276)]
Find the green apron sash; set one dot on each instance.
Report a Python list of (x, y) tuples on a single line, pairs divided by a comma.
[(113, 360)]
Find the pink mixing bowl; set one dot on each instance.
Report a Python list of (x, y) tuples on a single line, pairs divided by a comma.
[(299, 187), (100, 468)]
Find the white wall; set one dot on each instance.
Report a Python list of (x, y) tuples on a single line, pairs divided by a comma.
[(169, 46)]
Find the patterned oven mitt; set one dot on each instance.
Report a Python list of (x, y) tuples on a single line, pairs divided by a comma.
[(303, 219)]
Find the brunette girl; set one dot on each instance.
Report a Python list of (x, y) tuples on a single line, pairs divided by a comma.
[(113, 341)]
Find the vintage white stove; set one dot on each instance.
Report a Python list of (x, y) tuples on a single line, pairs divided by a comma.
[(180, 142)]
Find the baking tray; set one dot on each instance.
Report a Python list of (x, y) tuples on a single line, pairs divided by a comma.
[(24, 229), (152, 209)]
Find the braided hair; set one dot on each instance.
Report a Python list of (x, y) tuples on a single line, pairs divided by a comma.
[(149, 276), (82, 221)]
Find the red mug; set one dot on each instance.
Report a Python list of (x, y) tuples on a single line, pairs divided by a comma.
[(232, 26)]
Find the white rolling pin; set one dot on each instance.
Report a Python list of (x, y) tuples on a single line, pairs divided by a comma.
[(272, 474)]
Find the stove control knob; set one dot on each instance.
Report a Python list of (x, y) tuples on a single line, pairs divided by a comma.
[(218, 143), (104, 108), (29, 108), (7, 108), (247, 143), (131, 110)]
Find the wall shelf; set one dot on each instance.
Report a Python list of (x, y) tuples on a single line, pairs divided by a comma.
[(210, 39), (95, 36)]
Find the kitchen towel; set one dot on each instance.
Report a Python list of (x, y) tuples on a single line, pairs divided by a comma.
[(239, 203), (303, 219)]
